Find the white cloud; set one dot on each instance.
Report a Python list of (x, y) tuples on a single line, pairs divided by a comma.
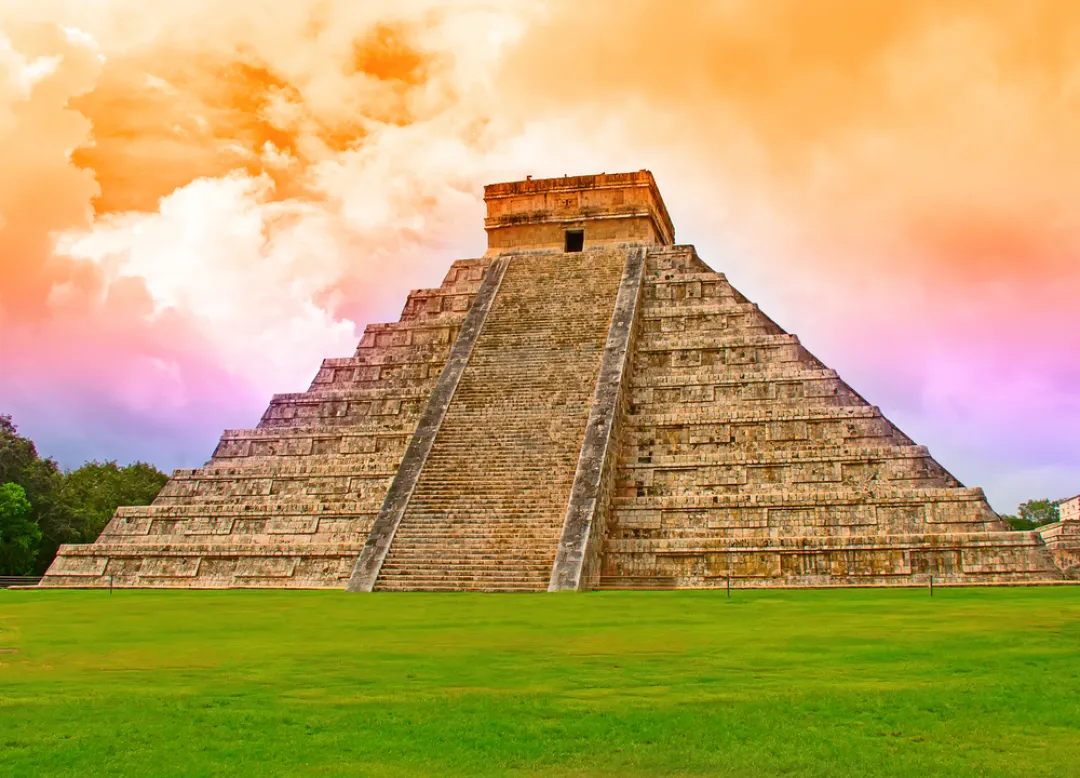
[(245, 271)]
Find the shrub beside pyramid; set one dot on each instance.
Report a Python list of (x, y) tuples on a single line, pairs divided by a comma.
[(587, 406)]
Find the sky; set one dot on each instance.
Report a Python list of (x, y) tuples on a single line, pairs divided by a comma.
[(201, 200)]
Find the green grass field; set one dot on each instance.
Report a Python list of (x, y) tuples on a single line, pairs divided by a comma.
[(815, 683)]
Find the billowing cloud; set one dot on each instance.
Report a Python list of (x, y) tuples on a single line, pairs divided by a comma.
[(200, 201), (893, 182)]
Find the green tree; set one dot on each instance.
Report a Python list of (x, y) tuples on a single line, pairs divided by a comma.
[(19, 534), (71, 507), (1016, 522), (42, 480), (1039, 512), (1032, 514), (94, 491)]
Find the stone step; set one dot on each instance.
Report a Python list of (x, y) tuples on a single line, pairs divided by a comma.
[(407, 413), (485, 529), (719, 544), (348, 380), (876, 495), (416, 389), (429, 515), (466, 572), (683, 277), (700, 414), (436, 537), (305, 507), (678, 341), (374, 363), (752, 455), (497, 492), (660, 310), (293, 463), (367, 467), (712, 375), (446, 320), (493, 565), (379, 355), (474, 547), (188, 548), (463, 580), (386, 427), (426, 585)]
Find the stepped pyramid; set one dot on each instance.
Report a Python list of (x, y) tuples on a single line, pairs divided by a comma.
[(588, 405)]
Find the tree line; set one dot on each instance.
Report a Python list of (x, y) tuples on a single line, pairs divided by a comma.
[(42, 505), (1032, 514)]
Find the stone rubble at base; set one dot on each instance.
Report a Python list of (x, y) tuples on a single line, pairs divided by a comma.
[(621, 418)]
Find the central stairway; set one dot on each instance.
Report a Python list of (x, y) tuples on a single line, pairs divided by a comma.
[(488, 507)]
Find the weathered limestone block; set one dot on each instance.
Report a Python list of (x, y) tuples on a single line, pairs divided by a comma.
[(203, 565)]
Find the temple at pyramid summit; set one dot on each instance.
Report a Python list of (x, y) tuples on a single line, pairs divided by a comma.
[(587, 406)]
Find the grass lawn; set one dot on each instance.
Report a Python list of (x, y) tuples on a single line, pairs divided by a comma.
[(796, 683)]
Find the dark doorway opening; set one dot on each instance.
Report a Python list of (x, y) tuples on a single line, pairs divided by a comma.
[(575, 240)]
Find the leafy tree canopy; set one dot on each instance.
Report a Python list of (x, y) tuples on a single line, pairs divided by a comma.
[(95, 490), (1032, 514), (19, 535), (1039, 512), (72, 506)]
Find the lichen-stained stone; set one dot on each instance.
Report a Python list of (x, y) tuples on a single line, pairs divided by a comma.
[(587, 406)]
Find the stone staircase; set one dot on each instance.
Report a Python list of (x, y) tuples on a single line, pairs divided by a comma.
[(488, 508)]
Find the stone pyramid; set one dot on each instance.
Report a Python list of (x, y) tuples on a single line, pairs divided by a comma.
[(586, 406)]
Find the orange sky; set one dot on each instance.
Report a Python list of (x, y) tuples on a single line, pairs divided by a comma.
[(199, 201)]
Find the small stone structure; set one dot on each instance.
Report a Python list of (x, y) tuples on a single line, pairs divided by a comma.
[(587, 406), (1069, 510), (1063, 536)]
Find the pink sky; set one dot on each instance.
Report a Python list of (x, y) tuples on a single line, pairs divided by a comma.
[(199, 201)]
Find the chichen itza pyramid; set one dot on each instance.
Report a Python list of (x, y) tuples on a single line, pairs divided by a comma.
[(587, 406)]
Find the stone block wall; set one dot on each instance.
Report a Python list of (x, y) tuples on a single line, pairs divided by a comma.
[(746, 457), (1063, 537), (1069, 510), (616, 208)]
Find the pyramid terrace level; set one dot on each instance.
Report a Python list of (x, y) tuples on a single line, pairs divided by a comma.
[(588, 405)]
